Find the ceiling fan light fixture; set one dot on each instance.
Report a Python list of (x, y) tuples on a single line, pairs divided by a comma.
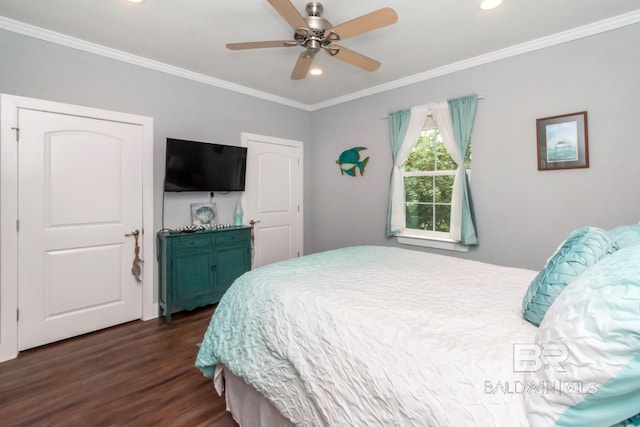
[(136, 1), (315, 71), (489, 4)]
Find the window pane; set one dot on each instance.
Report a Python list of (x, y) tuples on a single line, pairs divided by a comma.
[(444, 188), (419, 216), (443, 216), (423, 157), (418, 189), (444, 162), (428, 198)]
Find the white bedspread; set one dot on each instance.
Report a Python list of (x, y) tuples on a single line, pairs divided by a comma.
[(367, 336)]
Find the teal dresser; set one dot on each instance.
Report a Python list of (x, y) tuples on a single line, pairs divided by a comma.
[(197, 268)]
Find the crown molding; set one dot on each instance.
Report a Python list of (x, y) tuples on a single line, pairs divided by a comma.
[(519, 49), (118, 55)]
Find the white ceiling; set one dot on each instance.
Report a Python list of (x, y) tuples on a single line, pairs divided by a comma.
[(188, 37)]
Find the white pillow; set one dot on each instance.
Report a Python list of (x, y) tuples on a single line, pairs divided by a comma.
[(591, 339)]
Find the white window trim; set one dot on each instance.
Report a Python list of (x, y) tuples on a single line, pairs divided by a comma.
[(410, 237)]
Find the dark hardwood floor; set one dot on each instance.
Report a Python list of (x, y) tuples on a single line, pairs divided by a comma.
[(136, 374)]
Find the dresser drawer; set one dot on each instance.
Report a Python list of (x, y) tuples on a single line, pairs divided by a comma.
[(232, 237), (190, 242)]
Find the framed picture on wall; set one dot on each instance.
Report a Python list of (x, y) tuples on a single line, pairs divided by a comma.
[(563, 141), (203, 213)]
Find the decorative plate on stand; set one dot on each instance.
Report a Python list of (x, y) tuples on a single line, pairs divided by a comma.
[(203, 213)]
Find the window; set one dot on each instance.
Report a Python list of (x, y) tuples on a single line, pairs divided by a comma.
[(430, 204), (428, 177)]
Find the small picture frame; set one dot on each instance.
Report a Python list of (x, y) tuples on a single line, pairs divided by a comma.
[(563, 142), (203, 213)]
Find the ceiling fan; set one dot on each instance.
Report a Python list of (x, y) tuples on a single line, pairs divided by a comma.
[(314, 33)]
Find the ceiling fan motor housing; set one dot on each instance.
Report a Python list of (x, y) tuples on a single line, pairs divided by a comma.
[(313, 37)]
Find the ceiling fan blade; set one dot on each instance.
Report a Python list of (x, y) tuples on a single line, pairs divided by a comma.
[(302, 65), (354, 58), (371, 21), (289, 12), (256, 45)]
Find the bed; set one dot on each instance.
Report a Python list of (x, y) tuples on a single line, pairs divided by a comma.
[(369, 335)]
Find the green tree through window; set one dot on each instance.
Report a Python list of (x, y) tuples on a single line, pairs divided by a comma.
[(429, 173)]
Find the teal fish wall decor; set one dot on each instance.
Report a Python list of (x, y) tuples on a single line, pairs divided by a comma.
[(349, 161)]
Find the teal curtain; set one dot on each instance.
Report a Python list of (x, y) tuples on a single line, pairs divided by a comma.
[(398, 124), (463, 112)]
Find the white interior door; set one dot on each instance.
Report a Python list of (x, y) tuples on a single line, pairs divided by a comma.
[(274, 197), (80, 192)]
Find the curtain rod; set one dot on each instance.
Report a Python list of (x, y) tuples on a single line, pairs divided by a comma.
[(478, 97)]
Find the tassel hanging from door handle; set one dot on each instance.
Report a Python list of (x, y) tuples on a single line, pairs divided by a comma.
[(136, 268), (253, 239)]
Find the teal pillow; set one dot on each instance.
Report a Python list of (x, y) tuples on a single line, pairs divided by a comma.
[(583, 248), (626, 235)]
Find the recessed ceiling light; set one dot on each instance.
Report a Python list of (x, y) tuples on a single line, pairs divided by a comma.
[(315, 71), (489, 4)]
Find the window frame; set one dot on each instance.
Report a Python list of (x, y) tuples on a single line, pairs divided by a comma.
[(428, 238)]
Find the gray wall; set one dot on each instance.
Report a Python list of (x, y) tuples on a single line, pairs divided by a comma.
[(522, 214), (180, 108)]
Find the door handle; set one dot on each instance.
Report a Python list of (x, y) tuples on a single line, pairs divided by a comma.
[(136, 269), (253, 238)]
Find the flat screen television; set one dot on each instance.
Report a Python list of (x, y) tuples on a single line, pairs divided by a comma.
[(202, 166)]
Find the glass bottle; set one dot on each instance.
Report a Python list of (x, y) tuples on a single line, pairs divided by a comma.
[(237, 214)]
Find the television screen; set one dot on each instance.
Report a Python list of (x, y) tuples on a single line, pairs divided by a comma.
[(201, 166)]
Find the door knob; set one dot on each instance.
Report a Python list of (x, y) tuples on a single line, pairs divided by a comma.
[(134, 233), (252, 222)]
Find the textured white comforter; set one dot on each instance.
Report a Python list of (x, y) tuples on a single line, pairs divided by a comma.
[(367, 336)]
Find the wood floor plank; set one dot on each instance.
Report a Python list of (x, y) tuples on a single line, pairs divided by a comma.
[(136, 374)]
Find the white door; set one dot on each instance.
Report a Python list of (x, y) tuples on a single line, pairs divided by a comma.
[(274, 197), (80, 192)]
